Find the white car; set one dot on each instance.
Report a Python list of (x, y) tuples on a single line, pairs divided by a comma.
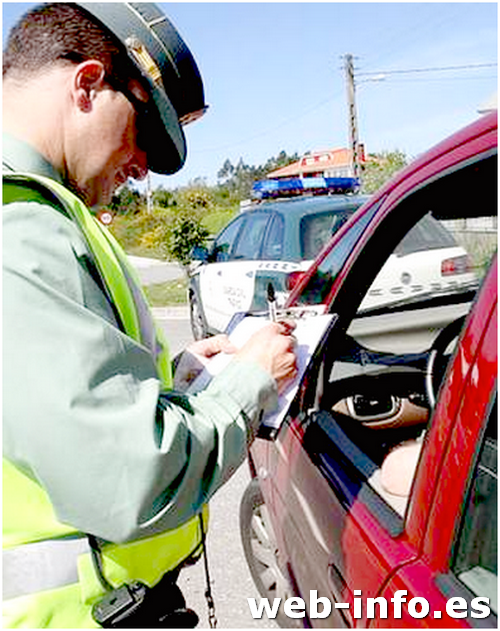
[(428, 260)]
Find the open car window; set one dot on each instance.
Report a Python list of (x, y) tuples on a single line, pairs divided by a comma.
[(382, 378), (431, 262)]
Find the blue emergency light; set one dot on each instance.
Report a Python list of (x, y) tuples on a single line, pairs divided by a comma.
[(287, 187)]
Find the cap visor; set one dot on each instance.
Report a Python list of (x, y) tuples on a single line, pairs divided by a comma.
[(165, 141)]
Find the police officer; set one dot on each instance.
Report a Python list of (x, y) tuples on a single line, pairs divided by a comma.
[(106, 468)]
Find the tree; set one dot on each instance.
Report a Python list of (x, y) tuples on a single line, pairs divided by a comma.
[(186, 233), (281, 160), (226, 171), (195, 197), (237, 181), (380, 167), (185, 230), (126, 201), (163, 198)]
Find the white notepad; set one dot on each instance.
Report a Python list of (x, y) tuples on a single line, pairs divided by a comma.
[(312, 324)]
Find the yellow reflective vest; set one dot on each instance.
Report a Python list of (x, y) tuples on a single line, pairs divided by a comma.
[(49, 577)]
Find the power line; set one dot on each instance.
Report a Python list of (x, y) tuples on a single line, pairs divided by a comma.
[(306, 112), (441, 80), (436, 69)]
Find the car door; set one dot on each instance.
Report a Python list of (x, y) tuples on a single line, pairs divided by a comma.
[(238, 278), (339, 531), (210, 273), (453, 518), (228, 283)]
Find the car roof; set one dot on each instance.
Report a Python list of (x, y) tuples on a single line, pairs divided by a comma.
[(299, 206), (482, 132)]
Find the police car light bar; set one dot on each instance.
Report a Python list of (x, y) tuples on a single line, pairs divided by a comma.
[(286, 187)]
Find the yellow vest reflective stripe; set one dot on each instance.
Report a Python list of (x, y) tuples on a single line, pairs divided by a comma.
[(41, 565), (33, 520)]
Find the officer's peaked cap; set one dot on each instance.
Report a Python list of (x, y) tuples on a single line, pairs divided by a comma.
[(166, 63)]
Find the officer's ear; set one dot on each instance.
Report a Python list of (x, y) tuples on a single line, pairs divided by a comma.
[(88, 79)]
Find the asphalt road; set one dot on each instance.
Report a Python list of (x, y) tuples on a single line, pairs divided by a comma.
[(152, 271), (231, 582)]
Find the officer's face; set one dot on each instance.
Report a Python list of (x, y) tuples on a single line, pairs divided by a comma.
[(108, 151)]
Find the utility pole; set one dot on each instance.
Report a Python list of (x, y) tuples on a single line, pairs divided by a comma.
[(149, 193), (353, 117)]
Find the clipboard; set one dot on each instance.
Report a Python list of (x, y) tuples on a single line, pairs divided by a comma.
[(312, 325)]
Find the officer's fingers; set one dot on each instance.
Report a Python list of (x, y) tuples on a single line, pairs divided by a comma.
[(211, 346), (222, 344), (287, 373), (287, 326), (287, 342)]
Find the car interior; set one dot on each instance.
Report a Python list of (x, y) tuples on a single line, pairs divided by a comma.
[(316, 230), (375, 385)]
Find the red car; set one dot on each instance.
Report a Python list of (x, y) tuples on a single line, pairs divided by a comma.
[(375, 503)]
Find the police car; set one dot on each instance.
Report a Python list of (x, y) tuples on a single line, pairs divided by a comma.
[(277, 240), (274, 241)]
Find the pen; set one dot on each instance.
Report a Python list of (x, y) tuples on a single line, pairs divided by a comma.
[(271, 302)]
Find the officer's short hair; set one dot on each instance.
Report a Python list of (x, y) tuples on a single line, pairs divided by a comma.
[(58, 33), (132, 40)]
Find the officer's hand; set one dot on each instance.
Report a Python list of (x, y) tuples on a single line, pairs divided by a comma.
[(273, 347), (211, 346), (195, 357)]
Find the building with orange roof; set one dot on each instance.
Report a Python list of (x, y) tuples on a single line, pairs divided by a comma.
[(327, 163)]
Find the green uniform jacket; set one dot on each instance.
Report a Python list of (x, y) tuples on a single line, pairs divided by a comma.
[(83, 410)]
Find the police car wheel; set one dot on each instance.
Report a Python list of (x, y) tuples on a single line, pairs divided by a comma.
[(261, 553), (198, 325)]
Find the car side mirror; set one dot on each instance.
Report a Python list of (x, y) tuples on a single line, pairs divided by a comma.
[(199, 253)]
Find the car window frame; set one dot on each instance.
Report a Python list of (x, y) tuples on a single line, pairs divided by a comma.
[(341, 296), (248, 220), (449, 582), (275, 220), (214, 250), (346, 307)]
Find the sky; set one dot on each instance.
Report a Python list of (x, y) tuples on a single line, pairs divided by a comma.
[(274, 76)]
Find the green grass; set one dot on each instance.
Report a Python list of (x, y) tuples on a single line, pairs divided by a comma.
[(216, 220), (145, 234), (171, 293)]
